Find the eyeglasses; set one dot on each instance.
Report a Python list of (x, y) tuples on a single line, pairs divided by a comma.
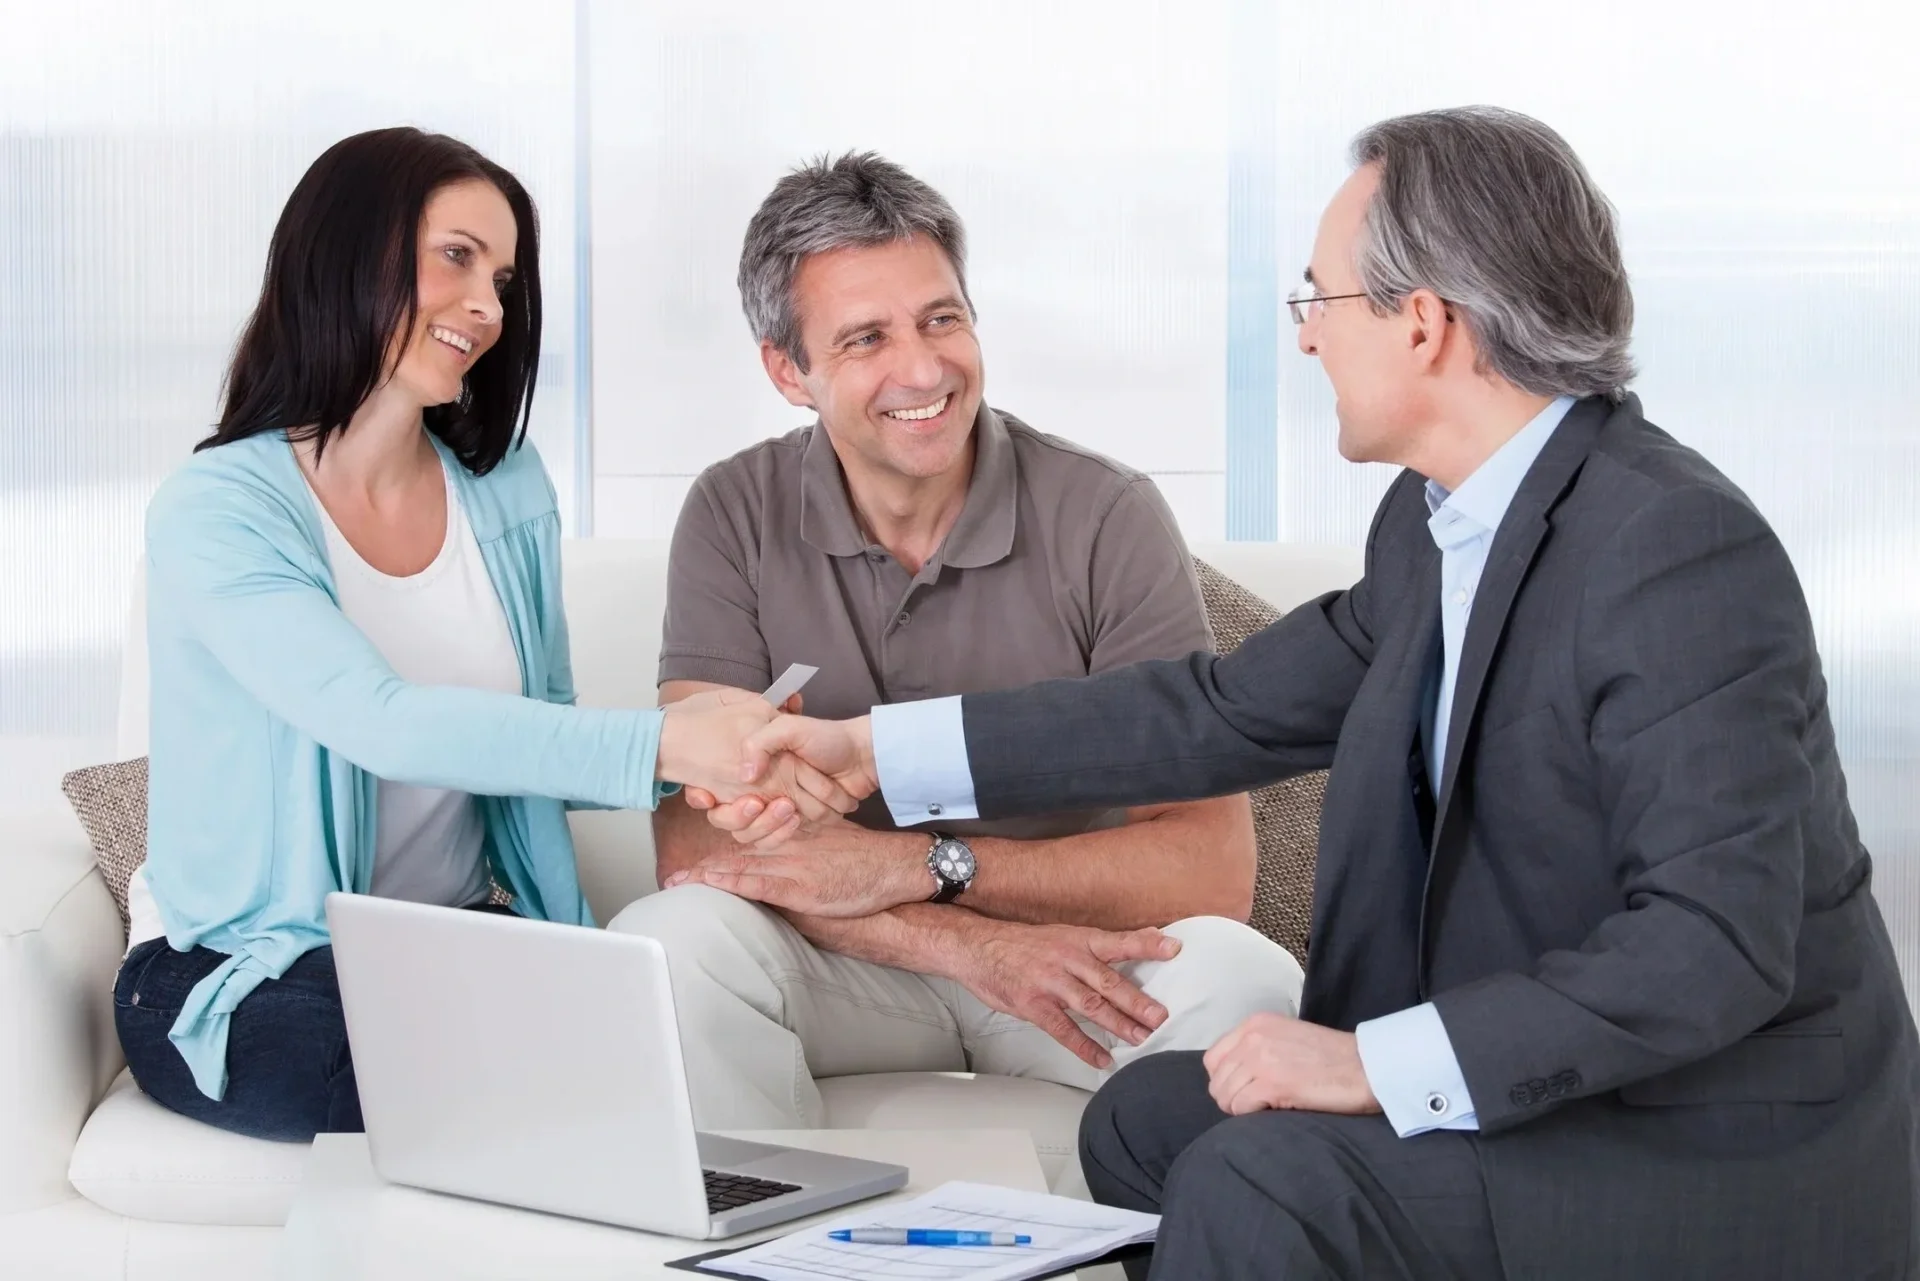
[(1303, 302)]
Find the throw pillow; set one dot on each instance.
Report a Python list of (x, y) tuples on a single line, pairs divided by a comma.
[(1286, 815), (111, 801)]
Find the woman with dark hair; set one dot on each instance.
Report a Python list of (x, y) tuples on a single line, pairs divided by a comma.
[(359, 660)]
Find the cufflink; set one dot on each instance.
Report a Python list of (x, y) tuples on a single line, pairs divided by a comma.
[(1437, 1104)]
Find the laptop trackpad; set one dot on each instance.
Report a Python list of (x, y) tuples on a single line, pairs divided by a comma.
[(720, 1153)]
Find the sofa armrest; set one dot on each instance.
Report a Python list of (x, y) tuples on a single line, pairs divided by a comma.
[(60, 947)]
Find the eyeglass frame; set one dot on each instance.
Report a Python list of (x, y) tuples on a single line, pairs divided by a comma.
[(1300, 306)]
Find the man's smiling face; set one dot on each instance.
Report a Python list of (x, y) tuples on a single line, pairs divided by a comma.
[(893, 365)]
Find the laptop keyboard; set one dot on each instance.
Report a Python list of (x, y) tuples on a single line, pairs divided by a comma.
[(731, 1191)]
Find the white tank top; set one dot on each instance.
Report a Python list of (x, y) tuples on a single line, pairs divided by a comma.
[(441, 626)]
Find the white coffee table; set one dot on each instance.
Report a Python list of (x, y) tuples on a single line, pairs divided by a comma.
[(347, 1222)]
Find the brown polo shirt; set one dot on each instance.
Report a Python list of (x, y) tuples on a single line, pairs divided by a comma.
[(1062, 563)]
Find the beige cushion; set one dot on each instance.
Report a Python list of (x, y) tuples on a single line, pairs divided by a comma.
[(111, 801), (138, 1159), (958, 1100), (1286, 815)]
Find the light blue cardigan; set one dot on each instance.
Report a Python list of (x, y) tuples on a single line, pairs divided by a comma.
[(273, 716)]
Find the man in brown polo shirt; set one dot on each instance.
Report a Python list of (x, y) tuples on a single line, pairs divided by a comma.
[(911, 544)]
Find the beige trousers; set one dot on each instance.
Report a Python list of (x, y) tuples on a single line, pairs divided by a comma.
[(763, 1012)]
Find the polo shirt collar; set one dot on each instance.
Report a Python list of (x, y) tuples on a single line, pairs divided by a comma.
[(981, 536)]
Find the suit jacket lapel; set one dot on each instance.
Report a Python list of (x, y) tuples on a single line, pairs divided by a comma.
[(1514, 546)]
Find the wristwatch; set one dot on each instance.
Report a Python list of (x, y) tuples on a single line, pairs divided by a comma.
[(952, 863)]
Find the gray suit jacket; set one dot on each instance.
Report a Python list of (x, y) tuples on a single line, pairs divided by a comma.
[(1639, 901)]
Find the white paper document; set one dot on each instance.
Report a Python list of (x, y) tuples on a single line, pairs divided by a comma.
[(1064, 1231), (796, 675)]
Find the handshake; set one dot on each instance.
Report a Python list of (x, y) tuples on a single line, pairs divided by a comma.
[(762, 775)]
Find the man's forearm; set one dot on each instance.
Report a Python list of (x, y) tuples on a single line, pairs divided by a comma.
[(1192, 859), (682, 837), (917, 937)]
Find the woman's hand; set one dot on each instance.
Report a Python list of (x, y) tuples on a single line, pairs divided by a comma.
[(702, 742)]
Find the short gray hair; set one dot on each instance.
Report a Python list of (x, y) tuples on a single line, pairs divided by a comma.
[(856, 201), (1492, 211)]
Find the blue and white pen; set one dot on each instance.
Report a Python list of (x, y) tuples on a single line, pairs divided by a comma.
[(926, 1236)]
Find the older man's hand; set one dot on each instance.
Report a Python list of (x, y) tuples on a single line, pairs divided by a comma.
[(703, 740), (1275, 1061)]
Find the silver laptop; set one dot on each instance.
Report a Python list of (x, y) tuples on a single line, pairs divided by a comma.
[(539, 1065)]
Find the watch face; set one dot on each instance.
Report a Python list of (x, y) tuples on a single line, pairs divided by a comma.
[(954, 861)]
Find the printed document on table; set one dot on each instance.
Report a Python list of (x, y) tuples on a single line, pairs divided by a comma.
[(1064, 1232)]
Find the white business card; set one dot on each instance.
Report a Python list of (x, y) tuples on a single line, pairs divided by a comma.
[(796, 675)]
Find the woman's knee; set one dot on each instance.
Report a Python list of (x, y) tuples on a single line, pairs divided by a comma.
[(289, 1066)]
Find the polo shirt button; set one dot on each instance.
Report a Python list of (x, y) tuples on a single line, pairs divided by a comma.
[(1437, 1104), (935, 809), (905, 618), (876, 556)]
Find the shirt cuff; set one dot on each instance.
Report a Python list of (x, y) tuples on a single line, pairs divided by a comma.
[(920, 751), (1411, 1066)]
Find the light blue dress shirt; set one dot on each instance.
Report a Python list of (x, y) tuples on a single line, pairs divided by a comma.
[(920, 750)]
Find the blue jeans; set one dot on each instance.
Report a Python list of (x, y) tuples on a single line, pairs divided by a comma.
[(289, 1068)]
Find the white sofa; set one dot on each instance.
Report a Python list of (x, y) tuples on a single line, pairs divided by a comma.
[(97, 1182)]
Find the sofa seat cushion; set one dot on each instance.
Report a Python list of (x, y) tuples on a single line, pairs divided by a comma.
[(138, 1159), (966, 1100)]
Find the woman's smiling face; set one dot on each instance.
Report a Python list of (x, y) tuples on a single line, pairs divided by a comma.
[(467, 242)]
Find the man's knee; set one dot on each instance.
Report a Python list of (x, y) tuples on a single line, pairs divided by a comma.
[(1232, 952), (1138, 1124), (1286, 1156), (697, 921), (1225, 972)]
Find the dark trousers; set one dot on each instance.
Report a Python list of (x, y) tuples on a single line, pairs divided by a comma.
[(1282, 1196), (289, 1067)]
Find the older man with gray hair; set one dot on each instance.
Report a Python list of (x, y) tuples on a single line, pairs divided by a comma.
[(915, 542), (1593, 924)]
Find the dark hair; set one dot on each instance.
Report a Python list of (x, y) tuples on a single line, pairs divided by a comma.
[(342, 280)]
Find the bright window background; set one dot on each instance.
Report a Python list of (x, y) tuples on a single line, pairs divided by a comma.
[(145, 152), (1140, 181), (1084, 153)]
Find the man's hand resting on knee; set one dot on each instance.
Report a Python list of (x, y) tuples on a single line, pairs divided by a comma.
[(1273, 1061), (1046, 974), (838, 885)]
